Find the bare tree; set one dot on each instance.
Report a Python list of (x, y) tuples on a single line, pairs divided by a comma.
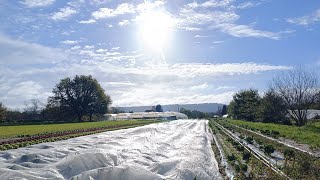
[(298, 88), (34, 106), (3, 111)]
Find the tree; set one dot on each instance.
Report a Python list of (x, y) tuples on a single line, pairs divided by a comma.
[(245, 105), (316, 105), (299, 89), (272, 108), (33, 109), (82, 95), (159, 108), (3, 111), (224, 110)]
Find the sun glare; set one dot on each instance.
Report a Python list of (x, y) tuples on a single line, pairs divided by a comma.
[(154, 30)]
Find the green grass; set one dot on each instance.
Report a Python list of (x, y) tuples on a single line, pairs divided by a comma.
[(309, 134), (13, 131)]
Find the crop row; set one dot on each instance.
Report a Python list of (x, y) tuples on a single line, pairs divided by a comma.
[(293, 162), (56, 136), (244, 162)]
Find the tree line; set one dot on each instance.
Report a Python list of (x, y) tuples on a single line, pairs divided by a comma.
[(290, 96), (74, 99)]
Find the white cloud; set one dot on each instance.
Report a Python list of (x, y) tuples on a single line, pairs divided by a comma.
[(149, 5), (210, 4), (196, 70), (131, 78), (75, 47), (192, 29), (24, 91), (200, 36), (37, 3), (21, 52), (122, 9), (200, 86), (117, 84), (219, 15), (64, 13), (115, 48), (124, 23), (90, 21), (69, 42), (225, 87), (217, 42), (249, 4), (306, 20), (247, 31)]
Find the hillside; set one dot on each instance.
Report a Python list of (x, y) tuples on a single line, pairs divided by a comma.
[(204, 107)]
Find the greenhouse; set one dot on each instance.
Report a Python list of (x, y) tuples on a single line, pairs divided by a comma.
[(147, 115)]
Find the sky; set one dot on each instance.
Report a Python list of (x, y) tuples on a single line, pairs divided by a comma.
[(154, 52)]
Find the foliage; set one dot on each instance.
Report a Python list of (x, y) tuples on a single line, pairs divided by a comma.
[(3, 111), (245, 105), (159, 108), (81, 95), (289, 154), (246, 155), (272, 108), (298, 89), (194, 114), (26, 140), (308, 134), (116, 110), (268, 149), (249, 140), (224, 110), (231, 157), (27, 130)]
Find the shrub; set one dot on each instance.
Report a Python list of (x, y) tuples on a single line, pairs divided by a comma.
[(246, 156), (231, 157), (240, 148), (268, 149), (244, 167), (237, 167), (275, 134), (3, 148), (249, 140)]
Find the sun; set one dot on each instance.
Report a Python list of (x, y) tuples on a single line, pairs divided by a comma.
[(154, 29)]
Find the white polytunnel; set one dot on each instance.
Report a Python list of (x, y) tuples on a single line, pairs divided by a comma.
[(147, 115)]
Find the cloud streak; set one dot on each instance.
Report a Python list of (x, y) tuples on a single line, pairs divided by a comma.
[(306, 20), (37, 3)]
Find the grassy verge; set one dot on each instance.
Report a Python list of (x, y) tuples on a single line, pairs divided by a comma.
[(309, 134), (25, 130)]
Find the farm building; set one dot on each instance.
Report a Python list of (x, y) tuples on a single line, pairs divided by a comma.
[(147, 115)]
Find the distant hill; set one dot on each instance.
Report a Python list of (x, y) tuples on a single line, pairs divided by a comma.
[(204, 107)]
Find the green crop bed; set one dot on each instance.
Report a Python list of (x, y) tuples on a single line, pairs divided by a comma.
[(15, 131), (308, 134)]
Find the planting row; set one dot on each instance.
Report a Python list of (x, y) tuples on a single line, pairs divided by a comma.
[(294, 163), (241, 162), (56, 136)]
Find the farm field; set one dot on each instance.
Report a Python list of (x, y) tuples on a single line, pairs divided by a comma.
[(14, 131), (250, 155), (178, 149), (308, 134), (14, 137)]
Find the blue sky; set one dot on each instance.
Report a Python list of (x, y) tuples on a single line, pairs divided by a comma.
[(150, 52)]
